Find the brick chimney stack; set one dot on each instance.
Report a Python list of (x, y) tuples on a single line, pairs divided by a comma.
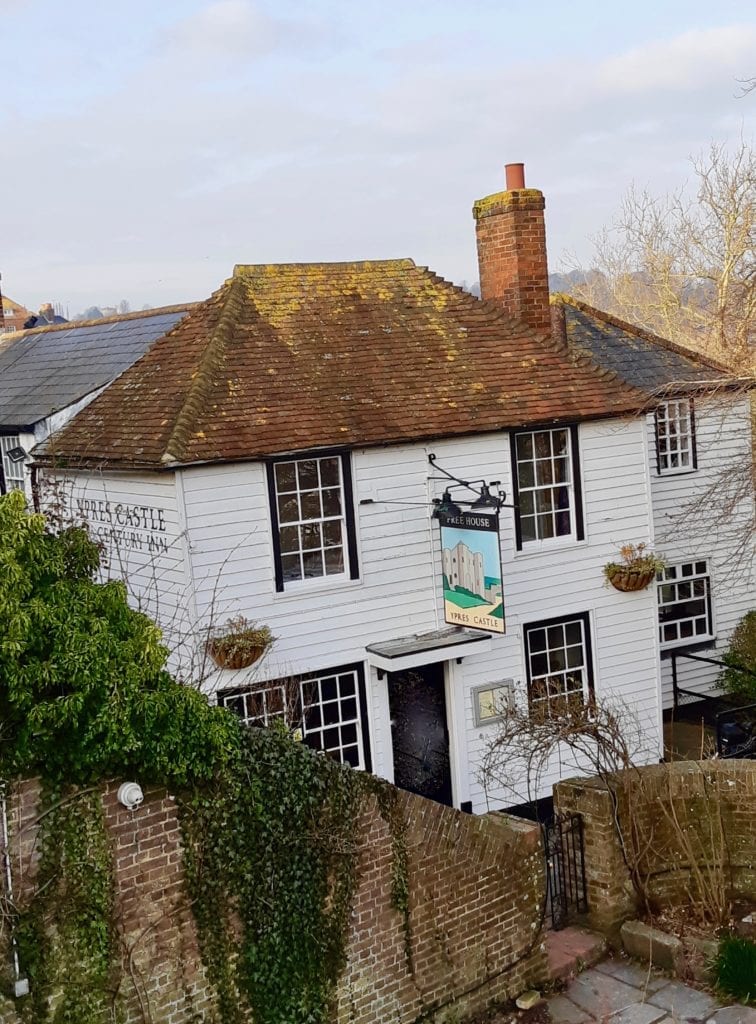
[(511, 236)]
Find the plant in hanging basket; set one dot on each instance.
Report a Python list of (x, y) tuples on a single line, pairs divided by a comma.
[(637, 569), (239, 643)]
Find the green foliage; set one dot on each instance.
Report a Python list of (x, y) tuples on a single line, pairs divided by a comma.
[(84, 692), (741, 656), (735, 968), (274, 846), (66, 938), (269, 825)]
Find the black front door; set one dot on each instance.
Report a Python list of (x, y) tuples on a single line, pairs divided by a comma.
[(420, 737)]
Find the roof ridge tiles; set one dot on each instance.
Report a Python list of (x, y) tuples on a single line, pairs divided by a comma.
[(232, 303), (640, 332)]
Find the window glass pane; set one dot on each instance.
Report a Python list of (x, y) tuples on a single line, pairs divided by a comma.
[(539, 664), (537, 639), (286, 476), (545, 526), (332, 502), (312, 564), (289, 538), (311, 536), (291, 567), (330, 475), (544, 472), (288, 508), (328, 688), (528, 528), (573, 632), (307, 474), (310, 504), (334, 561), (525, 477), (560, 440), (332, 532), (542, 444), (524, 446)]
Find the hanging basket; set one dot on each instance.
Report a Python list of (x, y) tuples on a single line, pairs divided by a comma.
[(226, 654), (628, 580)]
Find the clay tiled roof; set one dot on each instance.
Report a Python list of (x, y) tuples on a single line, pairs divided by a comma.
[(291, 357), (643, 360)]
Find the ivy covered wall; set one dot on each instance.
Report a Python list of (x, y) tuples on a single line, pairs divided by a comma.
[(437, 910)]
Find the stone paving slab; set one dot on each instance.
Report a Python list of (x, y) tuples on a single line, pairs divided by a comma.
[(564, 1011), (638, 1013), (632, 974), (733, 1015), (601, 995), (683, 1002)]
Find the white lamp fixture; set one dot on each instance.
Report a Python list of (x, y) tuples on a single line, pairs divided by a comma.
[(130, 795)]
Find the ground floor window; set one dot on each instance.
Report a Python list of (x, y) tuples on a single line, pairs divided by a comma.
[(684, 598), (559, 665), (328, 708)]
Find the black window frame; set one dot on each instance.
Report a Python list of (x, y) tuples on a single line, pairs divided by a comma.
[(224, 697), (577, 489), (667, 647), (589, 686), (352, 569), (693, 444)]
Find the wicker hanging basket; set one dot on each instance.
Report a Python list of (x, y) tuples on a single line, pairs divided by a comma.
[(628, 580), (228, 656)]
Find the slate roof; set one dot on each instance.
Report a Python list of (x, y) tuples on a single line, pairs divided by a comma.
[(641, 359), (46, 369), (290, 357)]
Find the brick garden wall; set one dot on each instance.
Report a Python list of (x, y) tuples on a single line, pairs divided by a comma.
[(698, 794), (475, 898)]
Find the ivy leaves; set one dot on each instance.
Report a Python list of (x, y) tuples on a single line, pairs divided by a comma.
[(276, 850)]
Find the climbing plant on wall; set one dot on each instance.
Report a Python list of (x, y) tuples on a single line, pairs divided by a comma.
[(270, 827)]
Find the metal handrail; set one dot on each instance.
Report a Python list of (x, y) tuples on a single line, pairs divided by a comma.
[(676, 689)]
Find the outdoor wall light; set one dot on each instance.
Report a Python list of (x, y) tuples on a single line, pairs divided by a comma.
[(130, 795), (16, 454), (484, 498)]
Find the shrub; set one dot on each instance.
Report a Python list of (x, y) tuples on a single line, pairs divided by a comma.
[(735, 968), (739, 677)]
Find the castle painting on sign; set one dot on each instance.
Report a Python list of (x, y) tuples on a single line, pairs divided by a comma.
[(471, 559)]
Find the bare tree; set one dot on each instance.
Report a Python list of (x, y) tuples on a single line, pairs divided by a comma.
[(685, 268)]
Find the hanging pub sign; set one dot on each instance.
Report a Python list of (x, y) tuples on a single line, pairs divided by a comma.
[(471, 560)]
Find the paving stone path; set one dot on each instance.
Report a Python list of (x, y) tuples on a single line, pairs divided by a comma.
[(618, 992)]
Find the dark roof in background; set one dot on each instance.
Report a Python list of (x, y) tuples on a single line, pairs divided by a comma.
[(639, 358), (43, 370), (290, 357)]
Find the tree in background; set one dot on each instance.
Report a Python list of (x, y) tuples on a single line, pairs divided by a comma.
[(686, 268)]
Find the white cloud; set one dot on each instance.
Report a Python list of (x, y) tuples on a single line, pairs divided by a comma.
[(689, 60)]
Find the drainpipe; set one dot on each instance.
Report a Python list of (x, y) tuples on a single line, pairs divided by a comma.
[(21, 985)]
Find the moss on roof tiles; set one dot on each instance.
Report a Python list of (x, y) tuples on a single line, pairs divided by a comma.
[(294, 356)]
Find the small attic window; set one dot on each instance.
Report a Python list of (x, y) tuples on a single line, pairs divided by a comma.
[(675, 437)]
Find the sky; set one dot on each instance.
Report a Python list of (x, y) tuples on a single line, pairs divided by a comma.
[(148, 147)]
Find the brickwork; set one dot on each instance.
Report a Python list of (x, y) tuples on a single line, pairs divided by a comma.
[(475, 900), (511, 237), (475, 888), (698, 795)]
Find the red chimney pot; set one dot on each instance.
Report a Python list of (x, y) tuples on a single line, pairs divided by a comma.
[(515, 176)]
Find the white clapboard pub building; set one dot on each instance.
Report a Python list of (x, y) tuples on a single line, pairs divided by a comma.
[(295, 450)]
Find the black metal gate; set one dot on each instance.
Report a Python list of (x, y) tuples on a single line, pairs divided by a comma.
[(565, 869)]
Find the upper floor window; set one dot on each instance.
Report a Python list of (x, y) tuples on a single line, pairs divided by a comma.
[(12, 469), (545, 473), (558, 661), (328, 710), (675, 436), (313, 518), (684, 597)]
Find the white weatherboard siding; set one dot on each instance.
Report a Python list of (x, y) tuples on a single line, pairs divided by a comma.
[(136, 518), (690, 523), (323, 625)]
